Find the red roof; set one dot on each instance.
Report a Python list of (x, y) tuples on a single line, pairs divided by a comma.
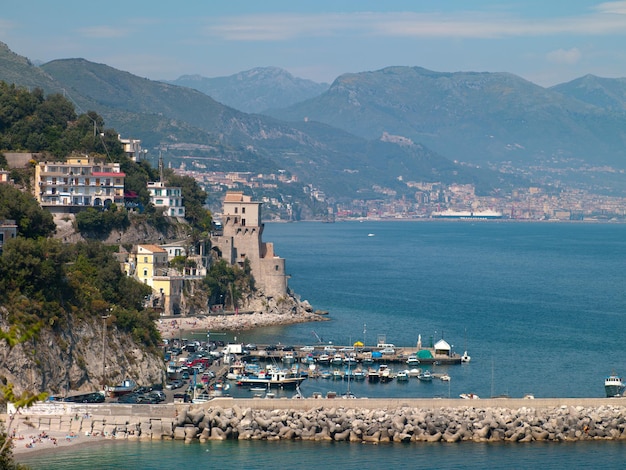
[(112, 174)]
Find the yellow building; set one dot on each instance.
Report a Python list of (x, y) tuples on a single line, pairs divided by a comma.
[(149, 264)]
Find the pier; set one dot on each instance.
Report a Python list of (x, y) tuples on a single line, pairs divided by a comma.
[(400, 354)]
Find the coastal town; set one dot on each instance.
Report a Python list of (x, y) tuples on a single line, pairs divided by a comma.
[(531, 203)]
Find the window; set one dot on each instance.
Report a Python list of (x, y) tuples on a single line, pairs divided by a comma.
[(236, 209), (145, 273), (276, 267), (243, 210), (243, 222), (145, 259)]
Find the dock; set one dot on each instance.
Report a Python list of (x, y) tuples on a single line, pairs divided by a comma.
[(400, 355)]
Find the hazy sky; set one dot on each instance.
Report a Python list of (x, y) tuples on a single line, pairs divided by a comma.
[(545, 41)]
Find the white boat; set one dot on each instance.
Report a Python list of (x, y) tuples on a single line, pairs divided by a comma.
[(469, 396), (412, 360), (466, 357), (385, 373), (613, 386), (323, 359), (337, 360), (415, 372), (425, 376), (402, 375), (445, 378)]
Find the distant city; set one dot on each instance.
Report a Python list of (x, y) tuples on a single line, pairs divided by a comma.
[(529, 203)]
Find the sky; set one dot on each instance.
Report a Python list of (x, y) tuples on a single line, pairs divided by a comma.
[(544, 41)]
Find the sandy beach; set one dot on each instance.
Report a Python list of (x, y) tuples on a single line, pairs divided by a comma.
[(52, 441), (171, 327)]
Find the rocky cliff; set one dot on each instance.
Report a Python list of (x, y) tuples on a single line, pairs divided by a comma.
[(74, 359)]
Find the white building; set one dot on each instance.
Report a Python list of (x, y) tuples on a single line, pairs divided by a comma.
[(169, 198), (79, 181)]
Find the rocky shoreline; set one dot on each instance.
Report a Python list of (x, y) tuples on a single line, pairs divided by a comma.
[(271, 313)]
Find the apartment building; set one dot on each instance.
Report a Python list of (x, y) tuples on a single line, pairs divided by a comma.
[(78, 182)]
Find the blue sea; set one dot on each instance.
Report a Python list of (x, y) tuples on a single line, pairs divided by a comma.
[(540, 308)]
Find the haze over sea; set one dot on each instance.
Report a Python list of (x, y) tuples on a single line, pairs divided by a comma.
[(540, 307)]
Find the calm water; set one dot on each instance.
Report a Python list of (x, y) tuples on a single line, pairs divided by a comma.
[(539, 307)]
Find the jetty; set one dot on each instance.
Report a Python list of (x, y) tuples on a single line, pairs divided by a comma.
[(353, 420), (376, 354)]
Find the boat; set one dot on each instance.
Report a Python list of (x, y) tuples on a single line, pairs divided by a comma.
[(412, 360), (288, 357), (373, 375), (359, 374), (414, 372), (337, 375), (613, 386), (273, 376), (127, 386), (402, 375), (469, 396), (445, 378), (337, 360), (465, 358), (323, 359), (385, 373), (480, 215), (425, 376)]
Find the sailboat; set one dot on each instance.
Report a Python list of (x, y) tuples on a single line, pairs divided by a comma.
[(348, 394)]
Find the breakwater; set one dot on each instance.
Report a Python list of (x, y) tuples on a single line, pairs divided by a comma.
[(360, 420)]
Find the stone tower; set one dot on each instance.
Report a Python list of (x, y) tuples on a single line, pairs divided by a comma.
[(242, 238)]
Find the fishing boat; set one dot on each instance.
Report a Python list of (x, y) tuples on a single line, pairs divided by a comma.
[(613, 386), (273, 376), (359, 374)]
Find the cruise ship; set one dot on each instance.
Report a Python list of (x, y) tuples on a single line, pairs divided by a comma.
[(450, 214)]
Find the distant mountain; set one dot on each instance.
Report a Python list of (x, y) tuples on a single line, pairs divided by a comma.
[(255, 90), (606, 93), (479, 118), (179, 121)]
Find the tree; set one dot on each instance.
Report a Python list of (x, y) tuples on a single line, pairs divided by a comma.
[(31, 219)]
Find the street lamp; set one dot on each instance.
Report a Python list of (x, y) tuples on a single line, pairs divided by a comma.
[(104, 333)]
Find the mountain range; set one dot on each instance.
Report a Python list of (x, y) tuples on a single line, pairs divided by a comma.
[(366, 130)]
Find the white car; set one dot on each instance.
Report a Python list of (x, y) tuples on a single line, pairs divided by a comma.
[(387, 351), (307, 349)]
